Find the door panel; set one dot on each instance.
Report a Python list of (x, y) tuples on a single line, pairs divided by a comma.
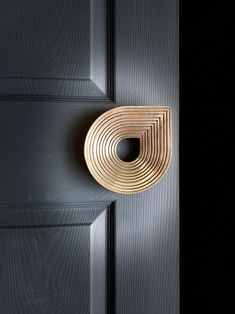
[(42, 160), (55, 48), (55, 259)]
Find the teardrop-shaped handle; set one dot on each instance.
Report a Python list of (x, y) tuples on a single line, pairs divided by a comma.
[(152, 125)]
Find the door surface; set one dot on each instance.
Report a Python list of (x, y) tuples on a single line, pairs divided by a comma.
[(67, 244)]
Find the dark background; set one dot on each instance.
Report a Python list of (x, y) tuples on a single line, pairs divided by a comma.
[(206, 157)]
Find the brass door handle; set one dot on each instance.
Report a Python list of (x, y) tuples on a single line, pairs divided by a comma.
[(152, 125)]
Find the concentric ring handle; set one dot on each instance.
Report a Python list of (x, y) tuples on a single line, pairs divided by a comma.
[(152, 125)]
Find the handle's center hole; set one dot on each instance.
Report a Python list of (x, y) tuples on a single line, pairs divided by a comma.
[(128, 149)]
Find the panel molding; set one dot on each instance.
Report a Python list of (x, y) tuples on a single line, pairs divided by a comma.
[(98, 216), (98, 87)]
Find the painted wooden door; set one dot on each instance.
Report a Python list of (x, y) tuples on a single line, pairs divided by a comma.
[(67, 244)]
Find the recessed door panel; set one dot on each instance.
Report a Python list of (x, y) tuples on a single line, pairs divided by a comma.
[(54, 259), (54, 48)]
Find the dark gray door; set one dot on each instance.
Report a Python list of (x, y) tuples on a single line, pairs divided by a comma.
[(67, 244)]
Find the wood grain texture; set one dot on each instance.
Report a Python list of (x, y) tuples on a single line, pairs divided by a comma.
[(54, 48), (147, 224), (54, 258)]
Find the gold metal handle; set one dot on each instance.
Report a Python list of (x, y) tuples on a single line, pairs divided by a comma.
[(152, 125)]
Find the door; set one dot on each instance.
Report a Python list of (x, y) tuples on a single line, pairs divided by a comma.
[(68, 244)]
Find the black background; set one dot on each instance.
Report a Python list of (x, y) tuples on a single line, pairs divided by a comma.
[(206, 157)]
